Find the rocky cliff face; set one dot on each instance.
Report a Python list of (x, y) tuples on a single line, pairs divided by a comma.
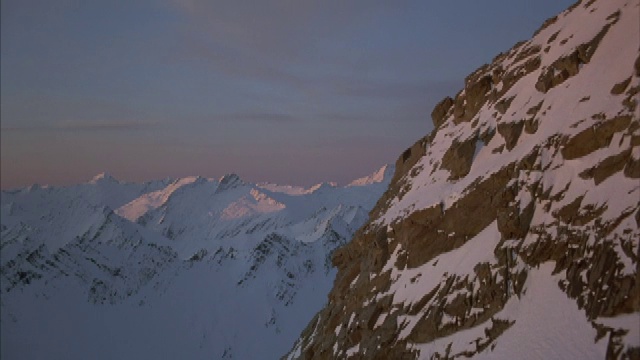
[(510, 231)]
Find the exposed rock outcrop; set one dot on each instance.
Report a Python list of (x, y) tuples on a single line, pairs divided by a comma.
[(475, 229)]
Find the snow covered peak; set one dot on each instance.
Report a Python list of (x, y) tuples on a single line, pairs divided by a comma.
[(197, 267), (102, 178), (154, 199), (255, 203), (229, 181), (321, 187), (382, 174), (285, 189), (191, 213), (33, 188)]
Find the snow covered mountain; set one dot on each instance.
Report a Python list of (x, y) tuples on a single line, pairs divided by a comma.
[(188, 268), (511, 231)]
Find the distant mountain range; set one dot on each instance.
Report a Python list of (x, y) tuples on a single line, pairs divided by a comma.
[(190, 268)]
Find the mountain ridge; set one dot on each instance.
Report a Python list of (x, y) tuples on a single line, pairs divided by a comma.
[(192, 267), (526, 189)]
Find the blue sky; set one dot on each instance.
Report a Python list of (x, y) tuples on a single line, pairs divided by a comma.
[(293, 92)]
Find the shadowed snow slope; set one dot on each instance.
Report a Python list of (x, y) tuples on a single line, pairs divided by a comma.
[(511, 231), (193, 268)]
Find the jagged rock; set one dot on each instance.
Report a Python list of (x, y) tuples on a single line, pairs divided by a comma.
[(568, 66), (562, 197), (594, 138), (513, 223), (458, 158), (620, 87), (410, 157), (229, 181), (632, 168), (475, 94), (607, 167), (511, 133), (439, 113), (504, 104)]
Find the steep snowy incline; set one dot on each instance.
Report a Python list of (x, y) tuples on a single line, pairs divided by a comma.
[(379, 176), (136, 208), (520, 208), (193, 268)]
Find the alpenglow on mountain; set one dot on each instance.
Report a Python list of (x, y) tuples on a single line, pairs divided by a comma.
[(510, 231), (191, 268)]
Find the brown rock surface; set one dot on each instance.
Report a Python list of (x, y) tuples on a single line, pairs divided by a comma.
[(536, 188)]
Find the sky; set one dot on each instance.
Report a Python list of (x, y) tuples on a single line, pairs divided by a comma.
[(291, 92)]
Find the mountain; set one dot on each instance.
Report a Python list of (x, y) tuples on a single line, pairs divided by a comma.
[(385, 172), (188, 268), (511, 230)]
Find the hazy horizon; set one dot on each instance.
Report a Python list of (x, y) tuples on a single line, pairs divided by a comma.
[(289, 93)]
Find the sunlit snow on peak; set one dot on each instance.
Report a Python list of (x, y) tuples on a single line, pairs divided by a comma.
[(256, 203), (103, 177), (384, 173)]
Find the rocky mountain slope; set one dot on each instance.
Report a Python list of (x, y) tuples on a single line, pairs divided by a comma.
[(189, 268), (510, 231)]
